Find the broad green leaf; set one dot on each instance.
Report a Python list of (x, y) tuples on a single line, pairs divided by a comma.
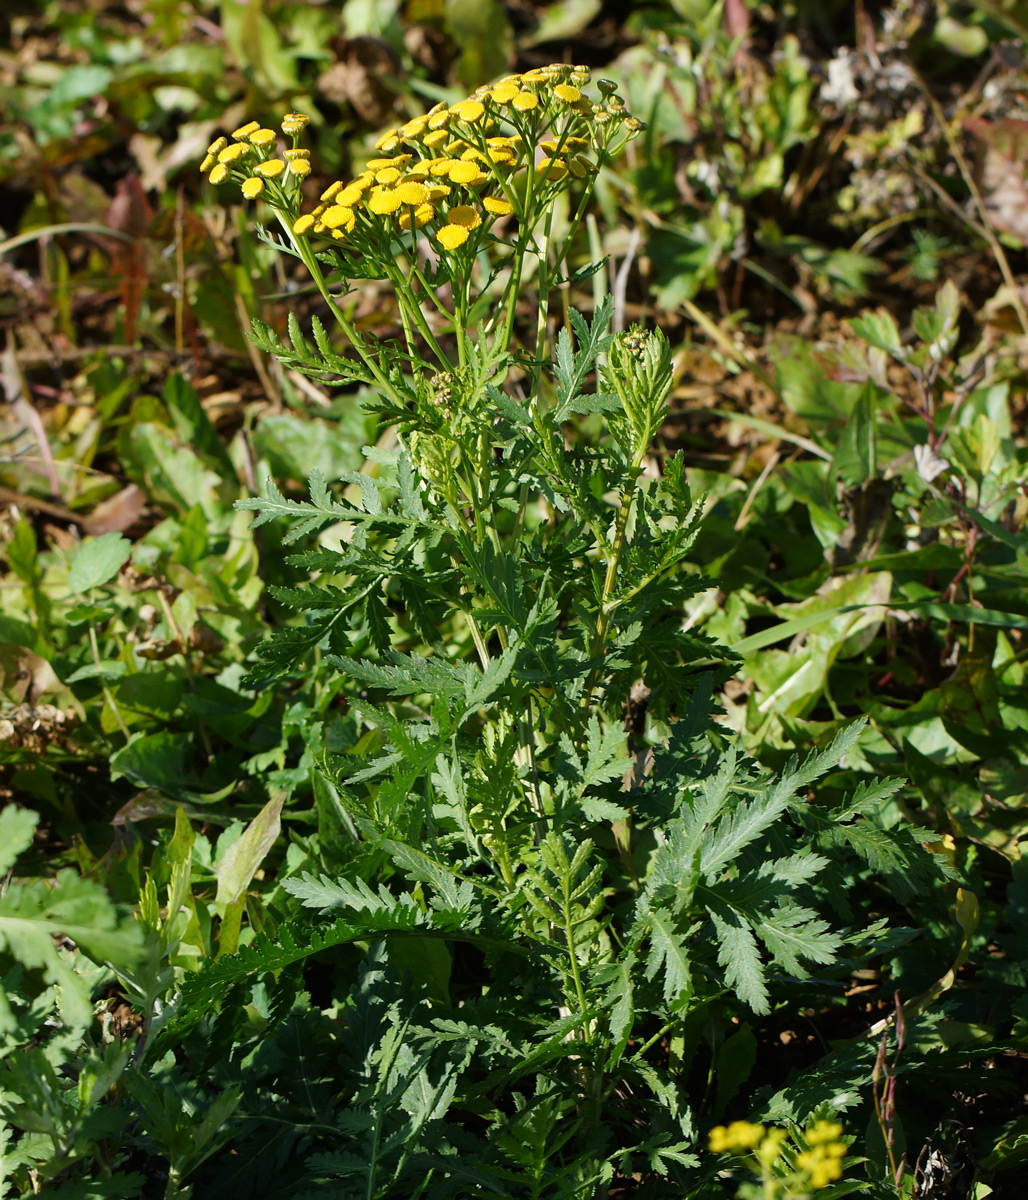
[(97, 561), (17, 825), (240, 862)]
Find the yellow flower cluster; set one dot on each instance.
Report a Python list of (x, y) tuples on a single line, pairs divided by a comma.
[(453, 170), (740, 1135), (250, 160), (821, 1161)]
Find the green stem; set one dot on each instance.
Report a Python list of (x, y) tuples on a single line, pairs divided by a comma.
[(613, 562), (107, 694), (310, 261)]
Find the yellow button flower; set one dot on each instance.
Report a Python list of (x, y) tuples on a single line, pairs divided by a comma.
[(552, 168), (414, 128), (452, 236), (469, 111), (465, 216), (422, 215), (394, 160), (384, 201), (338, 217), (351, 194), (332, 190), (299, 167), (441, 166), (244, 131), (525, 101), (387, 175), (252, 187), (294, 122), (412, 194), (231, 153), (567, 93), (303, 224), (467, 173), (498, 207), (217, 145), (504, 93), (420, 171), (388, 141), (438, 191), (439, 120), (208, 162), (435, 139), (219, 173), (270, 169), (262, 137)]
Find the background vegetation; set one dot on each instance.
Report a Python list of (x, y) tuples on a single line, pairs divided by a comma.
[(826, 217)]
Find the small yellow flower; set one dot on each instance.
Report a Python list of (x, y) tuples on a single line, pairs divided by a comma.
[(567, 93), (467, 173), (770, 1147), (270, 169), (452, 236), (384, 201), (244, 131), (351, 194), (394, 160), (338, 217), (332, 191), (231, 153), (207, 163), (525, 101), (439, 120), (262, 137), (303, 224), (412, 194), (294, 122), (552, 168), (252, 187), (504, 93), (465, 216), (435, 139), (579, 167), (219, 173), (438, 191), (300, 167), (387, 175), (422, 215), (295, 155), (414, 128), (420, 171), (540, 75), (823, 1131), (469, 111), (388, 141), (740, 1135), (498, 207), (217, 145), (457, 146)]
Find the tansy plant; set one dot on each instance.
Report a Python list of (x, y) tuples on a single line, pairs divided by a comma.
[(567, 879)]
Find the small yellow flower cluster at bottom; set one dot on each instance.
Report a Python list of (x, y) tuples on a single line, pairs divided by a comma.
[(822, 1161)]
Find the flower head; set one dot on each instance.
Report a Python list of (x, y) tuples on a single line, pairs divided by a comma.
[(452, 236)]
